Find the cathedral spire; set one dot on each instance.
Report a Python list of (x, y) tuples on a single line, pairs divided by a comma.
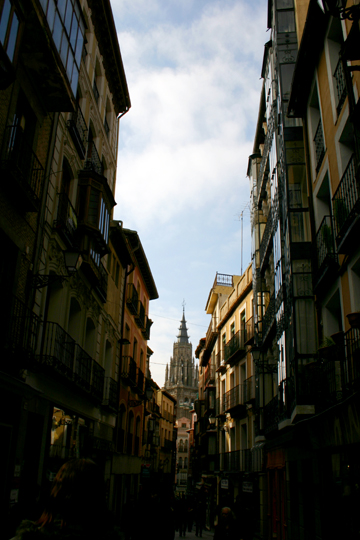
[(183, 335)]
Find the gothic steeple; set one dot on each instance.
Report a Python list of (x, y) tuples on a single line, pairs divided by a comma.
[(182, 336)]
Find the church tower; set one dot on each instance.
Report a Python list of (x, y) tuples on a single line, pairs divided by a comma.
[(181, 376)]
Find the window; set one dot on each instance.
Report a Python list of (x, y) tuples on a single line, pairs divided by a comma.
[(9, 26), (67, 28)]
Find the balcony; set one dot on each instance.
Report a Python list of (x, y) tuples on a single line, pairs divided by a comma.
[(140, 381), (235, 348), (236, 461), (319, 146), (352, 359), (110, 393), (234, 400), (340, 86), (19, 337), (21, 171), (146, 330), (220, 406), (209, 375), (140, 316), (66, 219), (346, 208), (132, 299), (61, 355), (79, 132), (327, 260), (128, 370), (93, 161), (268, 320)]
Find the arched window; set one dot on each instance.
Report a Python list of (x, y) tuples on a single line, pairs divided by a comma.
[(181, 445), (89, 344)]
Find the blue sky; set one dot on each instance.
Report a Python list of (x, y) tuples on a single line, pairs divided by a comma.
[(193, 71)]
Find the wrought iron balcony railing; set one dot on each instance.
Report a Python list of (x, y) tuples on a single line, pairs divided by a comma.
[(93, 161), (128, 369), (132, 300), (346, 199), (235, 345), (234, 397), (78, 131), (61, 354), (319, 145), (209, 374), (352, 359), (146, 331), (325, 243), (19, 336), (340, 85), (19, 160), (140, 316)]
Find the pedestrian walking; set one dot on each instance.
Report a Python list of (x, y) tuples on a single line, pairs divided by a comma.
[(226, 529)]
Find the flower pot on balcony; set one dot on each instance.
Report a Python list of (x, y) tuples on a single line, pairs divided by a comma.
[(354, 319)]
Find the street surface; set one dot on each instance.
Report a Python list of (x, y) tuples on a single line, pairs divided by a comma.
[(206, 535)]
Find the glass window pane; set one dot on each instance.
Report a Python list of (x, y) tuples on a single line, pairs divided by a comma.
[(64, 48), (51, 14), (57, 31), (79, 48), (286, 21), (74, 30), (68, 17), (44, 5), (62, 8), (12, 37), (283, 4), (74, 79), (4, 20), (69, 66)]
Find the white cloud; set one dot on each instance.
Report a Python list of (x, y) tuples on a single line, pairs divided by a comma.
[(193, 73)]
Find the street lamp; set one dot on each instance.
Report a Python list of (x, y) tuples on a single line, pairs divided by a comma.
[(72, 261), (337, 9)]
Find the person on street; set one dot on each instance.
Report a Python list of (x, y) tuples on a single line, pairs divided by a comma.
[(226, 528)]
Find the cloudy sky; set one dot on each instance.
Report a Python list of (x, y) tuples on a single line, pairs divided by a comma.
[(193, 71)]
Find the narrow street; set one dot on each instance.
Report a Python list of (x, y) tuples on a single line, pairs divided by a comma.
[(207, 535)]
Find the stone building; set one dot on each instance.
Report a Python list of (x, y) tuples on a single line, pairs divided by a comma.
[(181, 378)]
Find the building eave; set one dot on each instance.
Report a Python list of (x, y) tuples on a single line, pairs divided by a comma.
[(103, 21), (142, 263)]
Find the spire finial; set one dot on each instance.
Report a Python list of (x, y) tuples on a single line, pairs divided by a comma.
[(183, 304)]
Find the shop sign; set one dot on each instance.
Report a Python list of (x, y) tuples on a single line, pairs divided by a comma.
[(247, 487), (224, 483)]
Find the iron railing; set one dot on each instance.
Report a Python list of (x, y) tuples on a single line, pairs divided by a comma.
[(128, 369), (325, 244), (352, 359), (235, 344), (346, 198), (146, 330), (132, 299), (319, 145), (93, 161), (236, 461), (19, 333), (269, 317), (18, 157), (340, 85), (58, 350), (234, 397), (79, 131), (224, 280), (82, 372)]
